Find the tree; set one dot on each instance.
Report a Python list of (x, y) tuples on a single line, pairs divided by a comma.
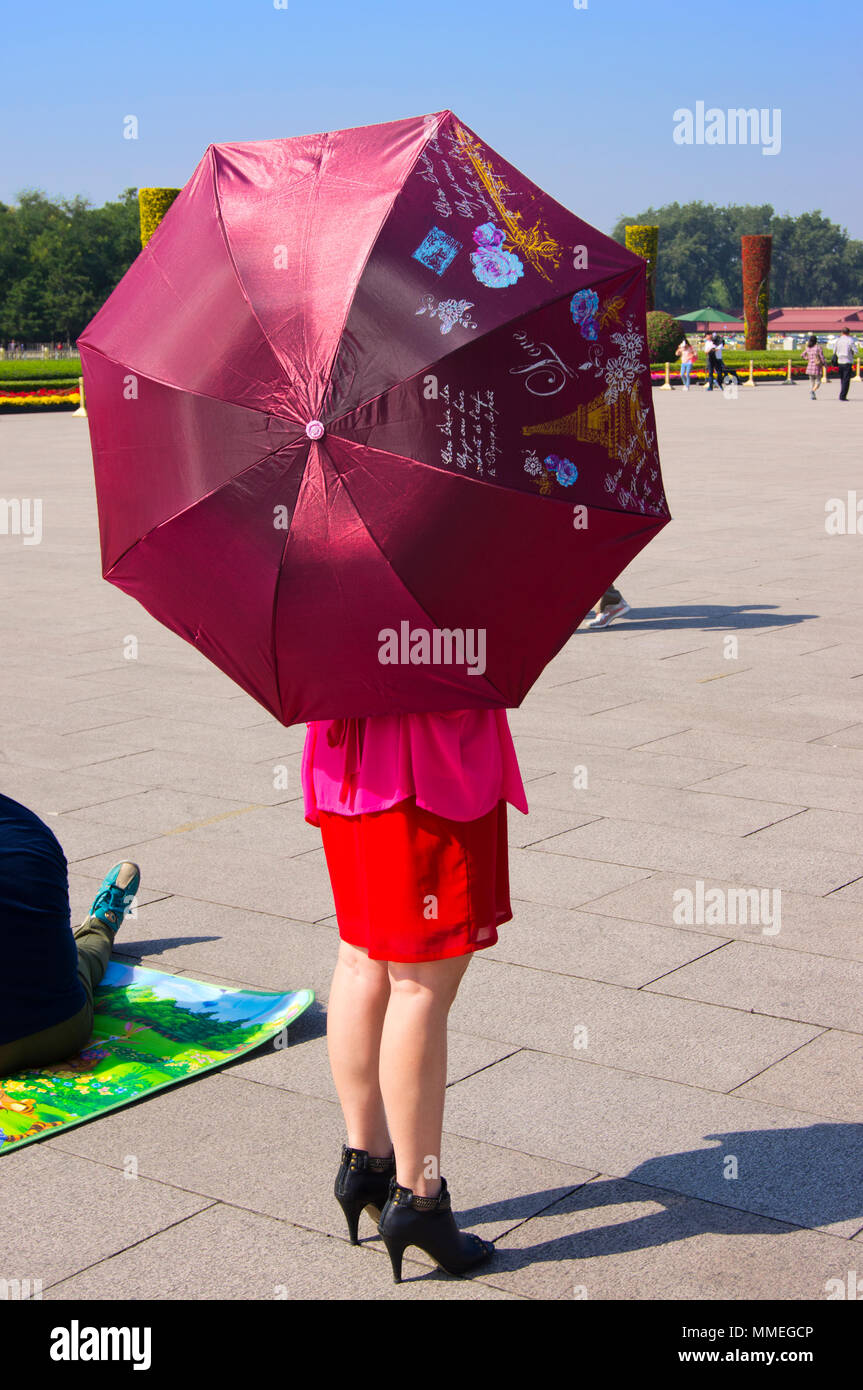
[(60, 259), (814, 260), (172, 1020)]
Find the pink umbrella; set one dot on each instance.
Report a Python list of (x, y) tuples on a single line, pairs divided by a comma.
[(371, 421)]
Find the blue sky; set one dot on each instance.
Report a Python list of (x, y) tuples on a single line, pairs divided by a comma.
[(582, 100)]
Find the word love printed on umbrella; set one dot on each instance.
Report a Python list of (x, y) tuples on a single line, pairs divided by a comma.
[(385, 385)]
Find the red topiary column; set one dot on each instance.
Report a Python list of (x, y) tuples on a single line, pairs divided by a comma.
[(755, 257)]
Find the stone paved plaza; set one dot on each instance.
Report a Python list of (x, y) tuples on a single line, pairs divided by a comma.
[(638, 1107)]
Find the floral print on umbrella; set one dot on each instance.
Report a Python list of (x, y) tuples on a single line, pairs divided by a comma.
[(491, 265), (551, 469), (584, 307), (621, 372), (449, 311)]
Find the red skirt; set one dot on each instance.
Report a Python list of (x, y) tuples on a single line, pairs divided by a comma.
[(411, 886)]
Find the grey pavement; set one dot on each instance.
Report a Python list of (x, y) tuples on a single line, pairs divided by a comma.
[(654, 1076)]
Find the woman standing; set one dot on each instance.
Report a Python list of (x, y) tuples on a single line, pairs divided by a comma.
[(814, 363), (412, 811), (687, 356)]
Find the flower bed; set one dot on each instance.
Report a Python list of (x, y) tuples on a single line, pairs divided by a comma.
[(44, 398), (766, 373)]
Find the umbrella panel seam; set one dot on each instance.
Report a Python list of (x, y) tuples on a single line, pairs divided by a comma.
[(228, 248), (377, 544)]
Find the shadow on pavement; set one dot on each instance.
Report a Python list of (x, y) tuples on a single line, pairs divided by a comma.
[(707, 615)]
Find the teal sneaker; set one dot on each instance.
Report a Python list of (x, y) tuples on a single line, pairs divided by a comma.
[(116, 895)]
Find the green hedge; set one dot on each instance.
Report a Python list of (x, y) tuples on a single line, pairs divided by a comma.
[(43, 370), (740, 357), (36, 383)]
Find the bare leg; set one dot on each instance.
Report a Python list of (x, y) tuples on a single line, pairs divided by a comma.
[(358, 1001), (413, 1057)]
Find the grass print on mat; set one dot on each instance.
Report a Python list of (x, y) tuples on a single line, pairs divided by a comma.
[(151, 1030)]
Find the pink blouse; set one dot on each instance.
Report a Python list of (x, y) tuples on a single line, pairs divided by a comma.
[(457, 765)]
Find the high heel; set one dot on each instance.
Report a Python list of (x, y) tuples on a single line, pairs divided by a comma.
[(358, 1186), (429, 1224)]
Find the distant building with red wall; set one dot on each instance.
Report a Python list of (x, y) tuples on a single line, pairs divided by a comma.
[(824, 319)]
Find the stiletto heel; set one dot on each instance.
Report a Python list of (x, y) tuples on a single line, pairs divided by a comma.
[(359, 1187), (395, 1249), (352, 1208), (429, 1224)]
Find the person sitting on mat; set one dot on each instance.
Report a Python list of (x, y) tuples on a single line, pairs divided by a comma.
[(49, 973)]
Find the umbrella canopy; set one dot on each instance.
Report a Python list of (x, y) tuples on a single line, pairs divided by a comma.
[(711, 318), (371, 421)]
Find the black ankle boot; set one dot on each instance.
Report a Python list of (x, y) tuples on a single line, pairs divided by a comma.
[(428, 1223), (358, 1186)]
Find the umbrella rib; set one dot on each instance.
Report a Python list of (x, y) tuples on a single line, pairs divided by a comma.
[(386, 558), (224, 231), (385, 216), (276, 592), (166, 520), (203, 395)]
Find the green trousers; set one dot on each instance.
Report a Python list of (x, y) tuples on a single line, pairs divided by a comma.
[(611, 597), (95, 943)]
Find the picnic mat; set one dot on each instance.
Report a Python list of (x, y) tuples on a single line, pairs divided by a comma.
[(150, 1031)]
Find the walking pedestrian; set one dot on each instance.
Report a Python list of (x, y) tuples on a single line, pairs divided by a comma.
[(814, 363), (686, 353), (710, 349), (845, 351), (721, 369), (412, 813), (612, 605)]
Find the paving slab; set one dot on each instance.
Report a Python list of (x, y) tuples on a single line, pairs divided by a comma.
[(623, 1028), (823, 1076), (676, 807), (783, 984), (791, 788), (187, 772), (594, 946), (60, 1213), (614, 1239), (228, 1253), (298, 888), (210, 940), (828, 926), (160, 811), (572, 881), (610, 843), (653, 768), (791, 1166)]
